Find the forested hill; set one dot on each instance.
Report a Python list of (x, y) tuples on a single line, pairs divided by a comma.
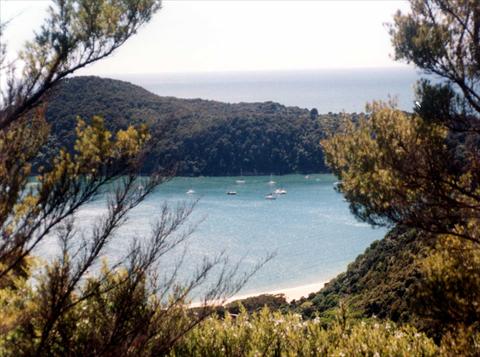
[(199, 137)]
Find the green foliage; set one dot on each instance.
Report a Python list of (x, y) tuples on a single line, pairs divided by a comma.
[(463, 341), (39, 310), (380, 282), (393, 168), (120, 316), (450, 292), (442, 37), (197, 137), (421, 171), (256, 303), (267, 333), (399, 169)]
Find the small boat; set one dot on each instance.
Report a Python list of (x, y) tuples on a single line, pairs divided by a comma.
[(307, 177), (280, 191), (190, 192), (337, 185), (271, 182), (240, 180), (140, 191), (270, 196), (231, 193)]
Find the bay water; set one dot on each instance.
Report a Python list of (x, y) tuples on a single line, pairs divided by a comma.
[(310, 228)]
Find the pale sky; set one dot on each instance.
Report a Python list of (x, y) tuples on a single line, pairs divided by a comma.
[(202, 36)]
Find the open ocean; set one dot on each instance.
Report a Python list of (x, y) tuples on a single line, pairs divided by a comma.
[(327, 90)]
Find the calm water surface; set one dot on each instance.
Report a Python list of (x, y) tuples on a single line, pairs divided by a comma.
[(310, 228), (333, 90)]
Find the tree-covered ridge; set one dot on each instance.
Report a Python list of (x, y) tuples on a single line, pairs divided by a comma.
[(198, 137), (382, 282)]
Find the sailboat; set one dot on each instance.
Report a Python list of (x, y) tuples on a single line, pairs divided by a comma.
[(241, 180), (271, 182)]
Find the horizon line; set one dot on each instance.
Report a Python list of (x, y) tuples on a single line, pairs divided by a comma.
[(241, 71)]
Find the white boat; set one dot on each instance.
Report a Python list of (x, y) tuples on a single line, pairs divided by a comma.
[(280, 191), (270, 196), (190, 192), (140, 191), (240, 180), (231, 193), (271, 182), (307, 177)]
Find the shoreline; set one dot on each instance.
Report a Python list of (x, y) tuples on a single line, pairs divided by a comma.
[(293, 293)]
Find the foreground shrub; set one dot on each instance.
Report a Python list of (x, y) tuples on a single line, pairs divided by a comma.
[(269, 333), (461, 341)]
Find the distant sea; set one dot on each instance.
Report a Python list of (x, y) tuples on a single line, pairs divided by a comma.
[(326, 90)]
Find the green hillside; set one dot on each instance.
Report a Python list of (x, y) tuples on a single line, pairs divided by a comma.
[(199, 137), (382, 282)]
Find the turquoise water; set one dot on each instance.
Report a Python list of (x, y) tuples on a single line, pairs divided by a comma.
[(310, 228)]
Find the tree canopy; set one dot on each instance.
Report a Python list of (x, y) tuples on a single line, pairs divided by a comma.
[(421, 171), (198, 137)]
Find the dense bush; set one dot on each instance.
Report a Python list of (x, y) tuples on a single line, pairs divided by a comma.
[(380, 282), (197, 137), (252, 304), (269, 333)]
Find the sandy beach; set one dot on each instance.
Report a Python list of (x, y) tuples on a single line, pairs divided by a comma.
[(293, 293)]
